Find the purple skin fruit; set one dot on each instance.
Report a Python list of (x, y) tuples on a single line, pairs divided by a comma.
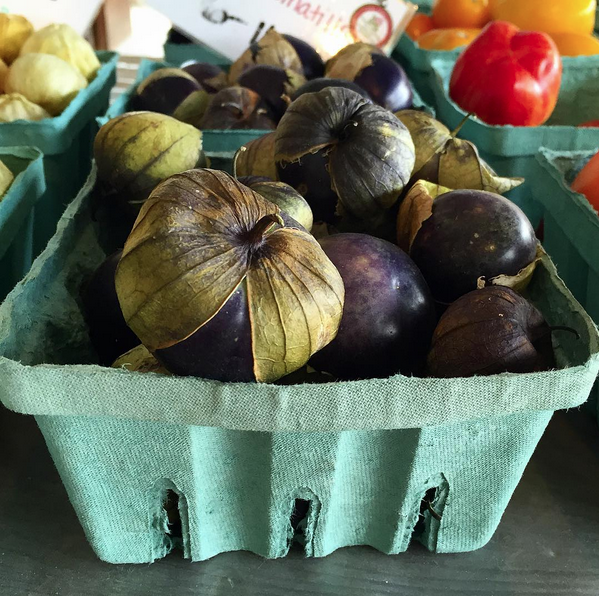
[(108, 332), (471, 234), (388, 317), (386, 83), (202, 72), (321, 83), (220, 350), (249, 180), (311, 179), (269, 83), (164, 95), (312, 63)]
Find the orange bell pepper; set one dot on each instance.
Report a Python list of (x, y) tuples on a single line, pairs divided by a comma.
[(447, 39), (419, 25), (576, 44), (549, 16), (465, 14)]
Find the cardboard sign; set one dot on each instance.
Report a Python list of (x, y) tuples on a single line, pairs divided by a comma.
[(80, 14), (229, 26)]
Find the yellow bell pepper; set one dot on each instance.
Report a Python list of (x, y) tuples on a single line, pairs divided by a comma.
[(576, 44), (550, 16)]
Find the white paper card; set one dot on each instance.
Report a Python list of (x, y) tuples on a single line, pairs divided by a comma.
[(80, 14), (229, 26)]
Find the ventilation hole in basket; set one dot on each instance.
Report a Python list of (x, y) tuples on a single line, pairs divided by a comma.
[(430, 514), (304, 509), (170, 521), (426, 507), (299, 516), (174, 527)]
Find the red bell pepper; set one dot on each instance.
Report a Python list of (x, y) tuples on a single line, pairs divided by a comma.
[(508, 76)]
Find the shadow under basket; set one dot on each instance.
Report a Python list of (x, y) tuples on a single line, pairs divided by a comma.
[(154, 462)]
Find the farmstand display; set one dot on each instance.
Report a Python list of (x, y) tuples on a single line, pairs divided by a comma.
[(289, 304)]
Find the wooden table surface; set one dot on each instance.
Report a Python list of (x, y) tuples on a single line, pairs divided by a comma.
[(547, 543)]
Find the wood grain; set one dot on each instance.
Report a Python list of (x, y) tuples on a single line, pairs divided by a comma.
[(546, 544)]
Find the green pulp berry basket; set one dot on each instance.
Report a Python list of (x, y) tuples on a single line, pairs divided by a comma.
[(177, 53), (66, 142), (571, 225), (512, 150), (17, 213), (379, 462)]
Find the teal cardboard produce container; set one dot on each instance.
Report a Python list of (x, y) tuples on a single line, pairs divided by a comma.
[(66, 142), (571, 227), (418, 64), (377, 462), (512, 151), (177, 53), (17, 213)]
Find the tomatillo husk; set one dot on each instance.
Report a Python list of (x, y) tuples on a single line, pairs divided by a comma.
[(368, 153), (257, 158), (271, 49), (137, 150), (216, 285), (443, 159)]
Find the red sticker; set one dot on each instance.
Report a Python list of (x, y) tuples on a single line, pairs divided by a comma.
[(372, 24)]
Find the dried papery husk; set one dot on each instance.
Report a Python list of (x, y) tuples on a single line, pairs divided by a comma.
[(6, 179), (164, 73), (193, 108), (3, 74), (369, 157), (288, 199), (490, 331), (236, 108), (46, 80), (137, 150), (14, 106), (271, 49), (139, 359), (14, 32), (416, 207), (257, 158), (63, 41), (444, 159), (199, 237), (518, 282), (350, 61)]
